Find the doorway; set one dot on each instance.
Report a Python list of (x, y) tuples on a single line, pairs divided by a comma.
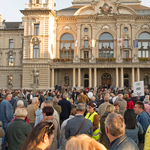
[(106, 80)]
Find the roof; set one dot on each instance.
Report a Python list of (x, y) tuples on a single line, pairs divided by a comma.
[(12, 25), (139, 7), (70, 8)]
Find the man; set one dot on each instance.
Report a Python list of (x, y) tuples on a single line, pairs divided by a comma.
[(102, 107), (30, 97), (65, 107), (115, 131), (41, 99), (122, 103), (134, 98), (73, 125), (144, 119), (32, 108), (6, 113)]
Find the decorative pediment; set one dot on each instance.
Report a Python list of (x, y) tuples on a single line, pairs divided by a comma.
[(105, 27), (145, 26), (67, 27)]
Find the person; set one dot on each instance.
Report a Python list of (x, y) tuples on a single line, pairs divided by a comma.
[(104, 139), (40, 137), (122, 103), (100, 99), (94, 118), (56, 106), (6, 114), (73, 125), (72, 104), (80, 143), (147, 137), (144, 119), (130, 104), (2, 133), (65, 107), (146, 105), (133, 128), (30, 97), (134, 98), (62, 139), (102, 107), (32, 108), (117, 106), (86, 99), (115, 131), (47, 116), (18, 130), (41, 99)]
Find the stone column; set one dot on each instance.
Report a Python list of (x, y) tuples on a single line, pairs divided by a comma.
[(79, 77), (133, 78), (93, 38), (53, 78), (79, 39), (95, 77), (122, 78), (138, 74), (90, 77), (117, 79), (74, 77), (118, 36)]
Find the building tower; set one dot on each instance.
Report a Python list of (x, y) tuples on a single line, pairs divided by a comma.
[(39, 21)]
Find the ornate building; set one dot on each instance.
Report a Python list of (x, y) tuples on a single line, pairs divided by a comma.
[(50, 47)]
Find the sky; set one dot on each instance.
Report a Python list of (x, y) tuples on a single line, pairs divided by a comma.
[(9, 9)]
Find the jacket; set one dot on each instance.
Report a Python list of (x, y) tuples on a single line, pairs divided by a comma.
[(74, 124), (18, 130), (134, 99), (57, 108), (123, 143), (2, 133), (38, 117), (102, 107), (130, 104), (147, 137)]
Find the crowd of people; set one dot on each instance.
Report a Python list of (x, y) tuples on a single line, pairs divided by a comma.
[(85, 119)]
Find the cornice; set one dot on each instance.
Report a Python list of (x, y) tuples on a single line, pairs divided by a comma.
[(65, 18), (143, 17)]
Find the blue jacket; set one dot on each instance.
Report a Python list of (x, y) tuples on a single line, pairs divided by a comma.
[(123, 143), (41, 99), (39, 116), (144, 119), (6, 112), (65, 107)]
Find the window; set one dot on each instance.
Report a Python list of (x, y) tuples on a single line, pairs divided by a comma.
[(125, 43), (10, 60), (67, 46), (86, 80), (86, 29), (126, 54), (36, 29), (36, 51), (106, 46), (66, 80), (10, 80), (37, 1), (11, 43), (125, 29), (144, 45), (86, 54), (86, 44)]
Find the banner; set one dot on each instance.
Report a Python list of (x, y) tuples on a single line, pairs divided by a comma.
[(76, 43), (93, 43), (119, 41), (138, 88), (135, 43)]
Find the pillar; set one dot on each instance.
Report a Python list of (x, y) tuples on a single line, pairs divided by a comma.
[(122, 77), (53, 77), (79, 77), (117, 80), (133, 78), (90, 77), (95, 77), (79, 39), (138, 74), (118, 36), (93, 38), (74, 77)]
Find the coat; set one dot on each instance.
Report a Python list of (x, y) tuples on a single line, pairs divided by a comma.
[(57, 108), (18, 130), (102, 107), (56, 131)]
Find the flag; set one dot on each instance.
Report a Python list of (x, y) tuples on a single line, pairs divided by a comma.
[(76, 44), (93, 43), (135, 43), (119, 41)]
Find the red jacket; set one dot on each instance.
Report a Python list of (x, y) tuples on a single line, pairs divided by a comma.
[(130, 105)]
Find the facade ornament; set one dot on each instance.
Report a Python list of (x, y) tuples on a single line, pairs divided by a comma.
[(76, 59), (106, 9), (67, 27), (92, 59), (35, 41), (145, 26), (78, 26), (105, 27), (117, 25), (93, 2), (135, 59), (119, 59)]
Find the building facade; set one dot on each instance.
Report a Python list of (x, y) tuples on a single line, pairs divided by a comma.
[(50, 47)]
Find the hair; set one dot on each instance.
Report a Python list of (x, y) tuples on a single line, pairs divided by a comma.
[(120, 96), (34, 100), (140, 104), (80, 99), (116, 104), (42, 105), (20, 103), (49, 103), (106, 97), (130, 119), (115, 124), (125, 96), (5, 96), (73, 112), (37, 134), (146, 100), (55, 100), (80, 143), (110, 109), (21, 112), (93, 98), (48, 110), (80, 107), (92, 105), (133, 95), (99, 95), (65, 95)]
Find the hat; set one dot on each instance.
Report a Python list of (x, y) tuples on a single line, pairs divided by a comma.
[(20, 95), (49, 98)]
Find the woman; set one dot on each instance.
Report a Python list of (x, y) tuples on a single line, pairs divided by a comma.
[(130, 104), (117, 106), (133, 128), (94, 118), (83, 142), (40, 138), (104, 139), (47, 116)]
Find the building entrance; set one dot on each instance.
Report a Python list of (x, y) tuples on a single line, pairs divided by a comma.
[(106, 80)]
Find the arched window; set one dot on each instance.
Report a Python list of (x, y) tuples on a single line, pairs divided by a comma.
[(86, 80), (11, 60), (66, 80), (126, 80), (144, 45), (35, 51), (86, 76), (106, 45), (126, 75), (67, 46)]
